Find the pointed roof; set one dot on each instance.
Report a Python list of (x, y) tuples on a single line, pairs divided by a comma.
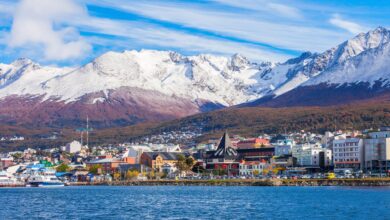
[(225, 148)]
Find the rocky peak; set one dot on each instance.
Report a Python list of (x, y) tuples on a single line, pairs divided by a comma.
[(239, 62)]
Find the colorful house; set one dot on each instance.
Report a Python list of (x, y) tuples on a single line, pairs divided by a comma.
[(156, 160)]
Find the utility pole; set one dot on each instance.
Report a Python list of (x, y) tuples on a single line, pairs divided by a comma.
[(87, 131)]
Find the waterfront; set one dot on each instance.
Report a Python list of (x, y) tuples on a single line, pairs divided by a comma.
[(195, 202)]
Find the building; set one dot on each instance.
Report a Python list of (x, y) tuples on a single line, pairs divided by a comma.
[(281, 150), (282, 140), (135, 152), (73, 147), (327, 140), (312, 155), (165, 148), (108, 165), (252, 143), (283, 161), (130, 157), (251, 168), (156, 160), (256, 154), (377, 152), (5, 163), (223, 161), (348, 153)]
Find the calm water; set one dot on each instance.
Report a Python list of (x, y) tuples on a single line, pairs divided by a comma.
[(168, 202)]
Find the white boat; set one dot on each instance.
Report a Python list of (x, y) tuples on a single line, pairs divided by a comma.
[(44, 178)]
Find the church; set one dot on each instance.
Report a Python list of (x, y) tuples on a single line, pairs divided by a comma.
[(224, 159)]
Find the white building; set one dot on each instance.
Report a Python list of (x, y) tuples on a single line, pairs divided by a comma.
[(73, 147), (165, 147), (377, 152), (348, 153), (250, 168), (281, 150), (312, 155), (327, 139)]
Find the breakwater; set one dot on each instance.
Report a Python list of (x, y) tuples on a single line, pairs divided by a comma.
[(250, 182)]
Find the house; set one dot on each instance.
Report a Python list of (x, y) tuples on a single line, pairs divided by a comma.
[(224, 159), (168, 169), (156, 160), (348, 153), (377, 152), (251, 168)]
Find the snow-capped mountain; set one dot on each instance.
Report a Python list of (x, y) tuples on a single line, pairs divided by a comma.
[(133, 86), (315, 68), (138, 86), (221, 80)]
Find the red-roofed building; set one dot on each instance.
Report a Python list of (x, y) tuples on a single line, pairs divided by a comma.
[(252, 143)]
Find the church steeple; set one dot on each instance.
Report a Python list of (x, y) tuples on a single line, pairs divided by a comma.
[(225, 148)]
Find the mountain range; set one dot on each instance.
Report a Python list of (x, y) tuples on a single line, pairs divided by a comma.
[(150, 86)]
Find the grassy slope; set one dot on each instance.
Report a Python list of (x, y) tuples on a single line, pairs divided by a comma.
[(256, 120), (245, 121)]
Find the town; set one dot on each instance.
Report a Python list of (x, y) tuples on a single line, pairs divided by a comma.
[(298, 155)]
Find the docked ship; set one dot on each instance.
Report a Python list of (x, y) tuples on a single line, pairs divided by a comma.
[(43, 177)]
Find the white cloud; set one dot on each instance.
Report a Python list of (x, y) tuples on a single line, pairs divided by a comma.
[(153, 36), (284, 35), (43, 23), (285, 10), (349, 26), (266, 6)]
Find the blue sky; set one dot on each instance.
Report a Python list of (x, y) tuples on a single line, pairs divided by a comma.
[(72, 32)]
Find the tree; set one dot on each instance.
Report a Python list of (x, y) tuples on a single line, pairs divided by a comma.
[(197, 168), (17, 156), (117, 176), (190, 162), (94, 169), (181, 164), (151, 175), (131, 174), (63, 168), (184, 164), (256, 172)]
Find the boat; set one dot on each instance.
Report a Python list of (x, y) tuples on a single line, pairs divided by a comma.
[(44, 177)]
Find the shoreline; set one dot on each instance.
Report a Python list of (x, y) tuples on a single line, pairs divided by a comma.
[(272, 182)]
